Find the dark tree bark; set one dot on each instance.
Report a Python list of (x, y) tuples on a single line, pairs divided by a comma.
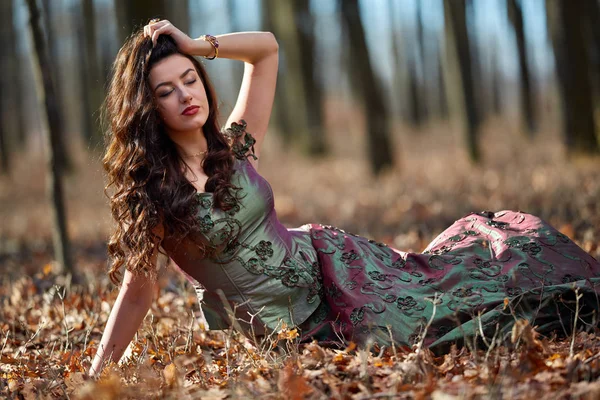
[(92, 78), (400, 62), (4, 152), (13, 73), (459, 74), (62, 152), (515, 15), (496, 81), (237, 68), (6, 21), (368, 89), (566, 23), (415, 111), (281, 110), (305, 31), (420, 84), (178, 12), (292, 93), (477, 71), (442, 97), (48, 101), (134, 14), (592, 10)]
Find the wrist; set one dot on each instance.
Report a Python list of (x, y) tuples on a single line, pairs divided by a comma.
[(205, 48), (202, 48)]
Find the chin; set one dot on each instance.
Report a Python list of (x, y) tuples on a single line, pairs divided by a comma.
[(196, 123)]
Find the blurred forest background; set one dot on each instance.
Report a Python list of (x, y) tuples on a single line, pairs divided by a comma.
[(392, 118)]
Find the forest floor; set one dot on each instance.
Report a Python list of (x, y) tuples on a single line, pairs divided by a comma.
[(50, 326)]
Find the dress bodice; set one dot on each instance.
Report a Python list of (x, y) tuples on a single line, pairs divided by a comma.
[(262, 268)]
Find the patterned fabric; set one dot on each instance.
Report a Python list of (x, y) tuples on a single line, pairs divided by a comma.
[(477, 277)]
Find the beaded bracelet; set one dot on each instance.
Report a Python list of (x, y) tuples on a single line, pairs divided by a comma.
[(214, 43)]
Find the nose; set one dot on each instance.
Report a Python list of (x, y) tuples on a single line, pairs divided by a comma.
[(185, 96)]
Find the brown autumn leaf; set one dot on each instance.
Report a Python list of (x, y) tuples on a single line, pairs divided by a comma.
[(170, 375), (74, 381), (293, 385)]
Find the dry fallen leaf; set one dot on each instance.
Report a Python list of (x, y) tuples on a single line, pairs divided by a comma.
[(293, 385), (170, 375)]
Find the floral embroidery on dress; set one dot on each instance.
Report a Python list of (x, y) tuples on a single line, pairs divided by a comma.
[(206, 224), (204, 201), (349, 257), (531, 248), (235, 133), (264, 249), (224, 233), (408, 304)]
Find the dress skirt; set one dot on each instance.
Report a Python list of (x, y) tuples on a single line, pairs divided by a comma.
[(475, 279)]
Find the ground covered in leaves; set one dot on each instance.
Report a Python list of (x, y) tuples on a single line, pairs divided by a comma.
[(50, 325)]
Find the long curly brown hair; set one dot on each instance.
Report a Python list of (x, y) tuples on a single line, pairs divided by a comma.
[(145, 172)]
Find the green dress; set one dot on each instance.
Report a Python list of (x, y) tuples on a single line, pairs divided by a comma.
[(478, 276)]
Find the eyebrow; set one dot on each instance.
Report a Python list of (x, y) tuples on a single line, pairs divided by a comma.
[(180, 77)]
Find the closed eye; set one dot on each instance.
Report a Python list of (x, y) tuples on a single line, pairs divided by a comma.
[(169, 92)]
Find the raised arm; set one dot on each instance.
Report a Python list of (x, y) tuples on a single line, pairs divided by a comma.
[(260, 53)]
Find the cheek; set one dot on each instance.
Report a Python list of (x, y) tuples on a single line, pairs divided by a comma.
[(167, 111)]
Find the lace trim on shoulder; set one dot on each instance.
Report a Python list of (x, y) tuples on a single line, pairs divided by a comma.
[(240, 147)]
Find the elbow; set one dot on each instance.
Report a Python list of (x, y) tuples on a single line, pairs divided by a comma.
[(273, 45)]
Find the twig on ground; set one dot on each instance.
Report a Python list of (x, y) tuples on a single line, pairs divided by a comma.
[(577, 297), (61, 296), (419, 346), (389, 328)]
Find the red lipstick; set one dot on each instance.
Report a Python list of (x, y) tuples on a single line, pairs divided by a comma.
[(191, 110)]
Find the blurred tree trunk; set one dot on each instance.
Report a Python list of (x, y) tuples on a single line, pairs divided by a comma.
[(476, 65), (178, 12), (400, 73), (6, 87), (305, 29), (62, 154), (237, 68), (415, 95), (4, 152), (421, 81), (107, 44), (92, 79), (496, 80), (134, 14), (12, 67), (593, 13), (368, 89), (459, 79), (593, 30), (441, 86), (47, 97), (515, 15), (566, 22), (415, 112), (281, 108), (281, 18)]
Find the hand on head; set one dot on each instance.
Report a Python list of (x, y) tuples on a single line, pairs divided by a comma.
[(157, 27)]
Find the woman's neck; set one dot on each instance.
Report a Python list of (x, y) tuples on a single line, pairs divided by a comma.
[(190, 145)]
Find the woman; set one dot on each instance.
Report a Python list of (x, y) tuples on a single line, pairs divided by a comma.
[(182, 185)]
